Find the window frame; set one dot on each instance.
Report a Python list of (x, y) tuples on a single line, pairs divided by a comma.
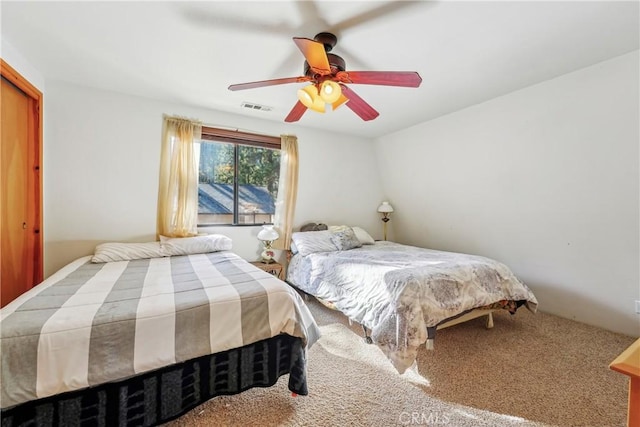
[(238, 138)]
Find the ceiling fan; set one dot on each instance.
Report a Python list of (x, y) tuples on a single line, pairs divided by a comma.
[(328, 78)]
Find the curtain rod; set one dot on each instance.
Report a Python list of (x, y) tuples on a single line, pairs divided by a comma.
[(234, 129), (226, 128), (240, 135)]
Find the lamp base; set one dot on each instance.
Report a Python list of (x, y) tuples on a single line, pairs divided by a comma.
[(267, 256)]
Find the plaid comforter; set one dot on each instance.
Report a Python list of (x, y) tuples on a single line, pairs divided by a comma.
[(93, 323)]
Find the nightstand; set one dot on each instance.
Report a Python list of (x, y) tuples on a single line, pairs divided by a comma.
[(273, 268)]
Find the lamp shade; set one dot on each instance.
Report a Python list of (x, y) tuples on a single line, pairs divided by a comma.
[(310, 98), (330, 91), (385, 207), (268, 233)]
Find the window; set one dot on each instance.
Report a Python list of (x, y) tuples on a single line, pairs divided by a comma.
[(238, 177)]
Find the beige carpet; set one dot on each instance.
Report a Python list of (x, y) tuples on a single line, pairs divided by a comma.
[(529, 370)]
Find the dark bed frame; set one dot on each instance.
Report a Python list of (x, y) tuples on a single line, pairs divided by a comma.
[(162, 395)]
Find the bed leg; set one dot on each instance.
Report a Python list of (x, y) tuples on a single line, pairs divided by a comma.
[(489, 321), (431, 337), (367, 338)]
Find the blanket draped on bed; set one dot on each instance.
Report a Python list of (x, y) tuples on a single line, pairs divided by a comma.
[(398, 291), (93, 323)]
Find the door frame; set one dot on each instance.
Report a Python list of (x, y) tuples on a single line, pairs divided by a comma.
[(35, 150)]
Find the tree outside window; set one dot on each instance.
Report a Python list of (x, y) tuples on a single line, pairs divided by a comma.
[(238, 184)]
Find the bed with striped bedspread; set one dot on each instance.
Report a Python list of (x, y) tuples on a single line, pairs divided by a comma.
[(90, 324)]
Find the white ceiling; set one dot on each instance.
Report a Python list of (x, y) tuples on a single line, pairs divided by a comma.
[(189, 52)]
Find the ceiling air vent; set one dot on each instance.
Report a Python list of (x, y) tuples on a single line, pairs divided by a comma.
[(257, 107)]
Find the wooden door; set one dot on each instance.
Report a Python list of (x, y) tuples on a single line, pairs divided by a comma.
[(20, 184)]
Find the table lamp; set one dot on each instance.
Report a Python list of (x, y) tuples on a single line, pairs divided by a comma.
[(385, 208), (267, 235)]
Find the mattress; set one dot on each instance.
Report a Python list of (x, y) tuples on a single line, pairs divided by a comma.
[(89, 324)]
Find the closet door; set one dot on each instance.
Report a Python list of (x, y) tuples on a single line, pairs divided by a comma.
[(20, 199)]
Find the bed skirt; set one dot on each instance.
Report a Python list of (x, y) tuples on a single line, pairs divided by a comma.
[(164, 394)]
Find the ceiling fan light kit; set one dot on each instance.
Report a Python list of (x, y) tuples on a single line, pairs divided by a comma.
[(328, 77), (309, 96), (330, 91), (339, 102), (314, 99)]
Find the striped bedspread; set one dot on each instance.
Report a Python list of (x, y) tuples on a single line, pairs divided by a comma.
[(93, 323)]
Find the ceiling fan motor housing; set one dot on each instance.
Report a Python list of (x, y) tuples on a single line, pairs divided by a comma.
[(336, 62), (329, 40)]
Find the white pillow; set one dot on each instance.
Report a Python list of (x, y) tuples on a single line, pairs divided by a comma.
[(114, 251), (194, 245), (364, 237), (308, 242)]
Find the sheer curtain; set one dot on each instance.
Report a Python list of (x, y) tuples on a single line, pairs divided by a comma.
[(287, 191), (178, 189)]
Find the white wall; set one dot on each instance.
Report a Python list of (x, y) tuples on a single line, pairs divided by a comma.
[(19, 63), (544, 179), (101, 167)]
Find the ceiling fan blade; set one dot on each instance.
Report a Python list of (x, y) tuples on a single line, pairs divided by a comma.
[(315, 55), (359, 105), (272, 82), (384, 11), (208, 17), (297, 112), (383, 78)]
